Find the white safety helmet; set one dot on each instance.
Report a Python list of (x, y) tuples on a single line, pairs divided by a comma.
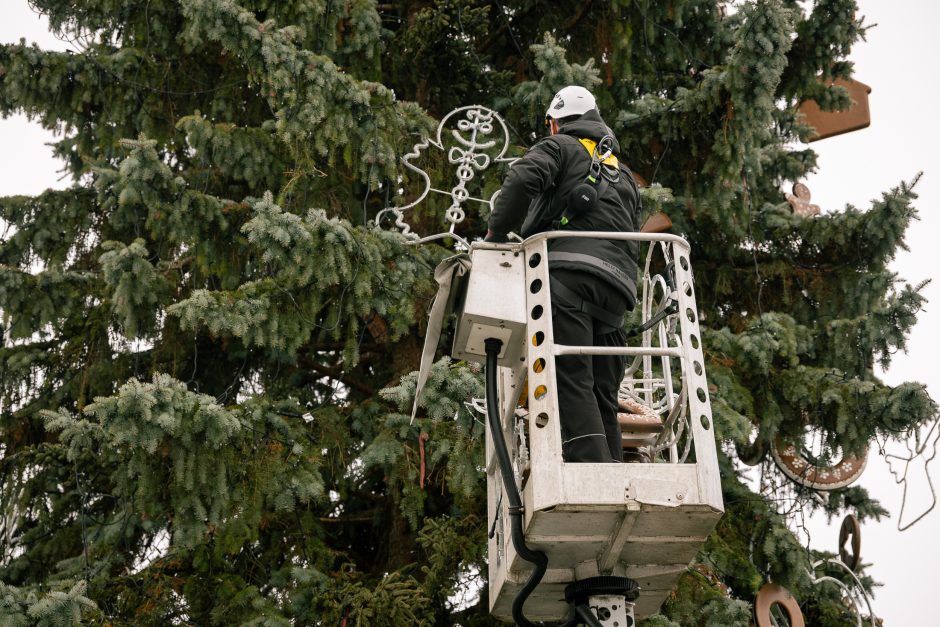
[(571, 100)]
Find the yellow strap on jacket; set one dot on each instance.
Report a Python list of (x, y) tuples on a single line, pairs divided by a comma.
[(590, 145)]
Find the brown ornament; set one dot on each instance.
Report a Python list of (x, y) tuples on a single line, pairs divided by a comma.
[(831, 123), (658, 222), (771, 594), (640, 427), (850, 528), (817, 477), (800, 201)]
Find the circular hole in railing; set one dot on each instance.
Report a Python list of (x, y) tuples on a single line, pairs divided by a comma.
[(694, 340), (701, 394), (540, 392), (537, 312), (535, 286), (684, 263), (706, 423), (541, 420), (535, 260), (697, 367), (687, 288), (538, 338), (690, 314), (538, 365)]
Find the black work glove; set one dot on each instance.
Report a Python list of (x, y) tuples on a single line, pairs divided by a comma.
[(495, 238)]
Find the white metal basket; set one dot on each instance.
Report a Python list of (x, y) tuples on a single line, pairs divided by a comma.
[(645, 521)]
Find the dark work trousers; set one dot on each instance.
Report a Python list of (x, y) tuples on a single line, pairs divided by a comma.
[(587, 385)]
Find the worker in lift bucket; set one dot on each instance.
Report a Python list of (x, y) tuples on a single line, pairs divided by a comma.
[(572, 180)]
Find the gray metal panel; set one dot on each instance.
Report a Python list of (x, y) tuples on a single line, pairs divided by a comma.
[(665, 550), (563, 523), (493, 306), (651, 536), (675, 523)]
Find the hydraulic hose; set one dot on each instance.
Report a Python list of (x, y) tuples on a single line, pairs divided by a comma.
[(538, 558)]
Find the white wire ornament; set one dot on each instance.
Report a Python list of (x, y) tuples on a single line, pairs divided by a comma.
[(652, 385), (921, 444), (477, 138), (854, 595)]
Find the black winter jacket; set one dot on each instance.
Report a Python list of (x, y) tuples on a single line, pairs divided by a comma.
[(535, 194)]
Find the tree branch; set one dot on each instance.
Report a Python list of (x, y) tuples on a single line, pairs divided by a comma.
[(577, 17), (337, 375)]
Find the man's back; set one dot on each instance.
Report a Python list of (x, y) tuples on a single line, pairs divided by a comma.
[(593, 281), (540, 185)]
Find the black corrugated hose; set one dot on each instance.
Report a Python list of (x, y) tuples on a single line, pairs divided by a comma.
[(538, 558)]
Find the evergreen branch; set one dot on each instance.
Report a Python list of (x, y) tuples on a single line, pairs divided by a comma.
[(499, 31), (338, 375)]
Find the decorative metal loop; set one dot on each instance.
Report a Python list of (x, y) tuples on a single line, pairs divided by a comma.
[(464, 157), (455, 215), (852, 595), (482, 140)]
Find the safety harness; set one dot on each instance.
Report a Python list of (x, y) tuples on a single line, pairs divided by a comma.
[(607, 157), (604, 170)]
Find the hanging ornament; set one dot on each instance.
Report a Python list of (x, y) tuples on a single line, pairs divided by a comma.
[(771, 594), (817, 475), (831, 123), (800, 201), (850, 528)]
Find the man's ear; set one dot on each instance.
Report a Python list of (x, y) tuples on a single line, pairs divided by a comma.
[(553, 125)]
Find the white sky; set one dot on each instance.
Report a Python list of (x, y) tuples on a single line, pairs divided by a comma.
[(853, 168)]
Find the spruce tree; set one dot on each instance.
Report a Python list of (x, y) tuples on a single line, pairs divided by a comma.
[(208, 348)]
